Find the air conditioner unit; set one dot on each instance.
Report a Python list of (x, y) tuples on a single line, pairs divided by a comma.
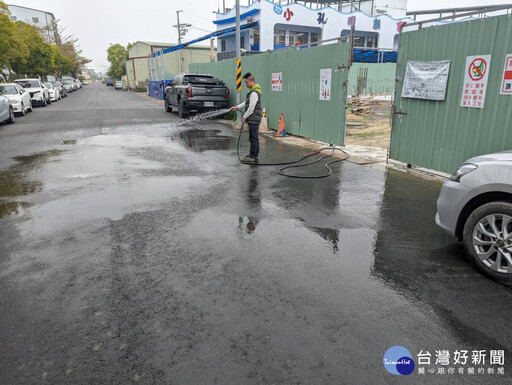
[(250, 19)]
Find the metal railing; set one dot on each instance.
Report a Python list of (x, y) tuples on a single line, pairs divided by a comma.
[(232, 54)]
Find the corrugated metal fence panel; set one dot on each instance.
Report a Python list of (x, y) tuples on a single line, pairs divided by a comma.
[(381, 78), (441, 135), (305, 115)]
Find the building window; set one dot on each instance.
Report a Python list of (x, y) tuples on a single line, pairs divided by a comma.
[(256, 36), (279, 38), (242, 42), (223, 45), (363, 39), (35, 20)]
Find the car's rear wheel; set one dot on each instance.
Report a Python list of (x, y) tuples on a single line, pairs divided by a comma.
[(168, 108), (23, 112), (488, 240), (182, 112), (12, 117)]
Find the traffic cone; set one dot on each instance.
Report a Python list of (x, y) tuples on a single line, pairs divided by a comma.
[(281, 127), (263, 124)]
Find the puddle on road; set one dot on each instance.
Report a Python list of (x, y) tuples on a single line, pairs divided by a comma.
[(15, 181), (202, 140)]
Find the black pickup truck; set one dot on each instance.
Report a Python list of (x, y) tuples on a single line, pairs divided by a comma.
[(195, 92)]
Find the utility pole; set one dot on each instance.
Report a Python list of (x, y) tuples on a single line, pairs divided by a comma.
[(238, 56), (179, 40)]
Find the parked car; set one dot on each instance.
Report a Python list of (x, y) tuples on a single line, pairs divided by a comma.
[(19, 97), (189, 92), (54, 92), (77, 83), (71, 81), (62, 90), (38, 92), (119, 85), (68, 85), (476, 207), (6, 110), (84, 82), (110, 83)]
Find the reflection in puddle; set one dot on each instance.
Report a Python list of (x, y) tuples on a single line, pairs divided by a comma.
[(15, 181), (202, 140)]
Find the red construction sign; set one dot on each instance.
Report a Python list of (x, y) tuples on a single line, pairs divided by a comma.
[(506, 84), (476, 76)]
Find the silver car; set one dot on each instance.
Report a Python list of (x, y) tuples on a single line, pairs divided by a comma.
[(476, 207), (6, 110)]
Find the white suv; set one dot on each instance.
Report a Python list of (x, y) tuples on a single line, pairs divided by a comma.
[(476, 206), (38, 92)]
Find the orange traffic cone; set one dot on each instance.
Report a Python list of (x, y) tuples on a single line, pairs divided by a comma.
[(281, 127), (263, 124)]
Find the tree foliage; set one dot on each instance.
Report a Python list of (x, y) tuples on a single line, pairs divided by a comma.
[(116, 55), (26, 50)]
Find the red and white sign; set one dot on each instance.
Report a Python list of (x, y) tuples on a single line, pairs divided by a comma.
[(506, 84), (277, 81), (476, 75)]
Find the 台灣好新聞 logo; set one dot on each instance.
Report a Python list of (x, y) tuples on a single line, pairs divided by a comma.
[(398, 360)]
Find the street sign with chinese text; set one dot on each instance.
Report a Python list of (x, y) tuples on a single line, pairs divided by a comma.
[(506, 84), (426, 79), (277, 81), (476, 75), (325, 84)]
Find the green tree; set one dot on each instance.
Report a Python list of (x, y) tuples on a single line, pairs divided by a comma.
[(39, 61), (116, 55), (69, 48), (12, 46), (63, 65)]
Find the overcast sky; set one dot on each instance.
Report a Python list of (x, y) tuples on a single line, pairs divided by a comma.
[(97, 23)]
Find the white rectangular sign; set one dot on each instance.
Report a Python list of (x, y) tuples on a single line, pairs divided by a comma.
[(325, 84), (426, 79), (476, 75), (277, 81), (506, 84)]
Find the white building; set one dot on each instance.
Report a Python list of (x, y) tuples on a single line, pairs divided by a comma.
[(283, 25), (45, 21)]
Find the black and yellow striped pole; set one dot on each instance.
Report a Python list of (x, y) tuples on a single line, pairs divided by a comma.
[(238, 61), (239, 74)]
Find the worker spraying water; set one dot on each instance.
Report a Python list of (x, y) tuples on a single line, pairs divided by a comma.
[(252, 116)]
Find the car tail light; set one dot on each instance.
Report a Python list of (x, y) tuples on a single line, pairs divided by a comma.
[(189, 92), (227, 93)]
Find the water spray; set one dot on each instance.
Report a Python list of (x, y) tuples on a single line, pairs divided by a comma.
[(204, 116)]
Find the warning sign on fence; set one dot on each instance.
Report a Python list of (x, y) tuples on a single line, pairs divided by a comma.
[(277, 81), (506, 84), (476, 75), (426, 79), (325, 84)]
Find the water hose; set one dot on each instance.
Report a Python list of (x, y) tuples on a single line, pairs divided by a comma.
[(295, 164)]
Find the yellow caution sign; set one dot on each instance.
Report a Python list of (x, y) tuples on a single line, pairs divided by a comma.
[(239, 74)]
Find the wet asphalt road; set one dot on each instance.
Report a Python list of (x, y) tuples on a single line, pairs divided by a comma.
[(136, 251)]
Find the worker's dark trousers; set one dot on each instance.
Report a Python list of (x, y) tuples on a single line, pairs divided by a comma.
[(253, 138)]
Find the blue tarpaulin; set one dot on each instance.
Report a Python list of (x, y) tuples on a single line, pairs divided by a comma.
[(374, 56)]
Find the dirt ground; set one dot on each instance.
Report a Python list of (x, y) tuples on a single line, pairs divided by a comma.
[(372, 127)]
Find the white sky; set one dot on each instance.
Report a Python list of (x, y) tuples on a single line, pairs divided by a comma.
[(97, 23)]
